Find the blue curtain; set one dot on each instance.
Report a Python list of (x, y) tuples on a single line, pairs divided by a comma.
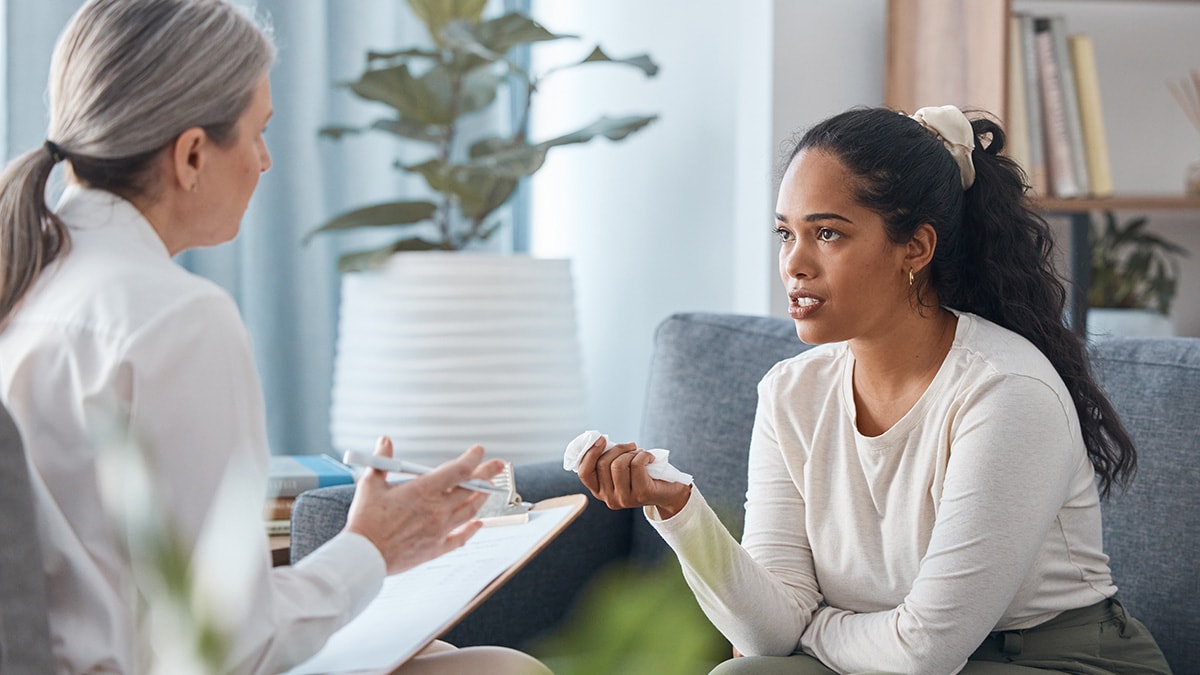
[(287, 291)]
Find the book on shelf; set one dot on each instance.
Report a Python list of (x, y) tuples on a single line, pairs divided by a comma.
[(1070, 97), (1091, 116), (278, 526), (1036, 171), (290, 475), (277, 508), (1016, 115), (1060, 139), (1059, 157)]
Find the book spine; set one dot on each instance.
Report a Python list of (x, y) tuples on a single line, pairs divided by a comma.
[(1091, 116), (278, 508), (291, 486), (277, 527), (1058, 145), (290, 475), (1066, 73), (1017, 116), (1038, 174)]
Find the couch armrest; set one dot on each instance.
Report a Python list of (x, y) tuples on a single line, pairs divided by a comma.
[(317, 516), (538, 597)]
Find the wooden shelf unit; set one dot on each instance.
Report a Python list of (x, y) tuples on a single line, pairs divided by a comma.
[(1120, 203), (955, 51)]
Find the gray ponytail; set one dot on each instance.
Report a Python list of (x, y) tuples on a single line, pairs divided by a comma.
[(127, 77), (31, 236)]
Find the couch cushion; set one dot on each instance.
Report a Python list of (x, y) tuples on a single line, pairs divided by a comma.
[(700, 403), (24, 631), (1152, 531)]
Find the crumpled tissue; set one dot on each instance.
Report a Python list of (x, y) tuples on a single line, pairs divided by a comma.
[(659, 469)]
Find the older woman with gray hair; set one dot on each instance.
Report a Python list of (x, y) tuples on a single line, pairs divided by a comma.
[(158, 109)]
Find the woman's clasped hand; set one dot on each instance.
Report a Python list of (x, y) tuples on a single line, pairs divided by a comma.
[(618, 476)]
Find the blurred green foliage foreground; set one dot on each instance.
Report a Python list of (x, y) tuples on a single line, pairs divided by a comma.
[(635, 621)]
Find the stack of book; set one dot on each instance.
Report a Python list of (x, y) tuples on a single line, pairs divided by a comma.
[(290, 475), (1055, 122)]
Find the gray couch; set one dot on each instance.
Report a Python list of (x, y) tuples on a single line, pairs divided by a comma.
[(24, 633), (700, 405)]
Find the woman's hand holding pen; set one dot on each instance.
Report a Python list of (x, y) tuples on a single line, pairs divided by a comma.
[(619, 478), (423, 518)]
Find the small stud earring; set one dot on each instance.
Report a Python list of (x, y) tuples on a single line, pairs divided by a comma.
[(910, 276)]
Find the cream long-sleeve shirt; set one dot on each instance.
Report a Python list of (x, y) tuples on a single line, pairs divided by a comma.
[(115, 325), (976, 512)]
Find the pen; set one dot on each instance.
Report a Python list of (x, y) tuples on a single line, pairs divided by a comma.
[(393, 465)]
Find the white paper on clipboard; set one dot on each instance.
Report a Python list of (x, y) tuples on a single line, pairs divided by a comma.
[(414, 607)]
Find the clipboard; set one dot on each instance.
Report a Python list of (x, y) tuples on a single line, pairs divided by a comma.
[(576, 502), (565, 509)]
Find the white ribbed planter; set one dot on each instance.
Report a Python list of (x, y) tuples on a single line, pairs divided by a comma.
[(444, 350), (1107, 322)]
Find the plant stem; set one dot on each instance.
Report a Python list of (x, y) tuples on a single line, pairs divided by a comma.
[(445, 154), (523, 125)]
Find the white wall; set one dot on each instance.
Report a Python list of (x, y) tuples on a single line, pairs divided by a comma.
[(678, 217)]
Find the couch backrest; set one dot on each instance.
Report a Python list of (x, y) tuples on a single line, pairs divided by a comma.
[(1152, 531), (24, 633), (701, 401)]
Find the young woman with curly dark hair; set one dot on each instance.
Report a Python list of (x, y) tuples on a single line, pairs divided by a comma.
[(924, 486)]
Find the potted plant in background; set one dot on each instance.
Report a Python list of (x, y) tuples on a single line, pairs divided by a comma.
[(439, 347), (1134, 279)]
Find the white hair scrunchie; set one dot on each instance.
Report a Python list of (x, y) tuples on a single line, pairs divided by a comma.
[(954, 130)]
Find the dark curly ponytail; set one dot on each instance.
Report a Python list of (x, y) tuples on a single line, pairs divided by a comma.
[(994, 252)]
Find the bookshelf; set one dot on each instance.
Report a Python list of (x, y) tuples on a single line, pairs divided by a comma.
[(281, 549), (956, 51)]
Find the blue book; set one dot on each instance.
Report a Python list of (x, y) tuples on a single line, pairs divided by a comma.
[(289, 475)]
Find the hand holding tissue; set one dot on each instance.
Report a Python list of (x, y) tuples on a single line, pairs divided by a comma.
[(659, 469)]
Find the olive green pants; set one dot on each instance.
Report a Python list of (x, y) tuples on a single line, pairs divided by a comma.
[(1097, 640)]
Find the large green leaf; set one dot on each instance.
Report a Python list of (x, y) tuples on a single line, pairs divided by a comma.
[(491, 144), (410, 130), (337, 131), (492, 39), (516, 161), (475, 90), (642, 62), (379, 215), (435, 14), (512, 162), (373, 57), (478, 191), (361, 260), (411, 96), (479, 89), (505, 32), (434, 172), (612, 128), (460, 36)]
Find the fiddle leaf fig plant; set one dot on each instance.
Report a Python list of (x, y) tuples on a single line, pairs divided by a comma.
[(1131, 267), (429, 92)]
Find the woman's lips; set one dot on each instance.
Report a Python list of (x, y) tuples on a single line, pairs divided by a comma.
[(802, 306)]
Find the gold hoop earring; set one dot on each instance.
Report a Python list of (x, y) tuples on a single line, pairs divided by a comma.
[(910, 277)]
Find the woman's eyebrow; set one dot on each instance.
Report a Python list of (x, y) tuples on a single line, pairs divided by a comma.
[(815, 217)]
